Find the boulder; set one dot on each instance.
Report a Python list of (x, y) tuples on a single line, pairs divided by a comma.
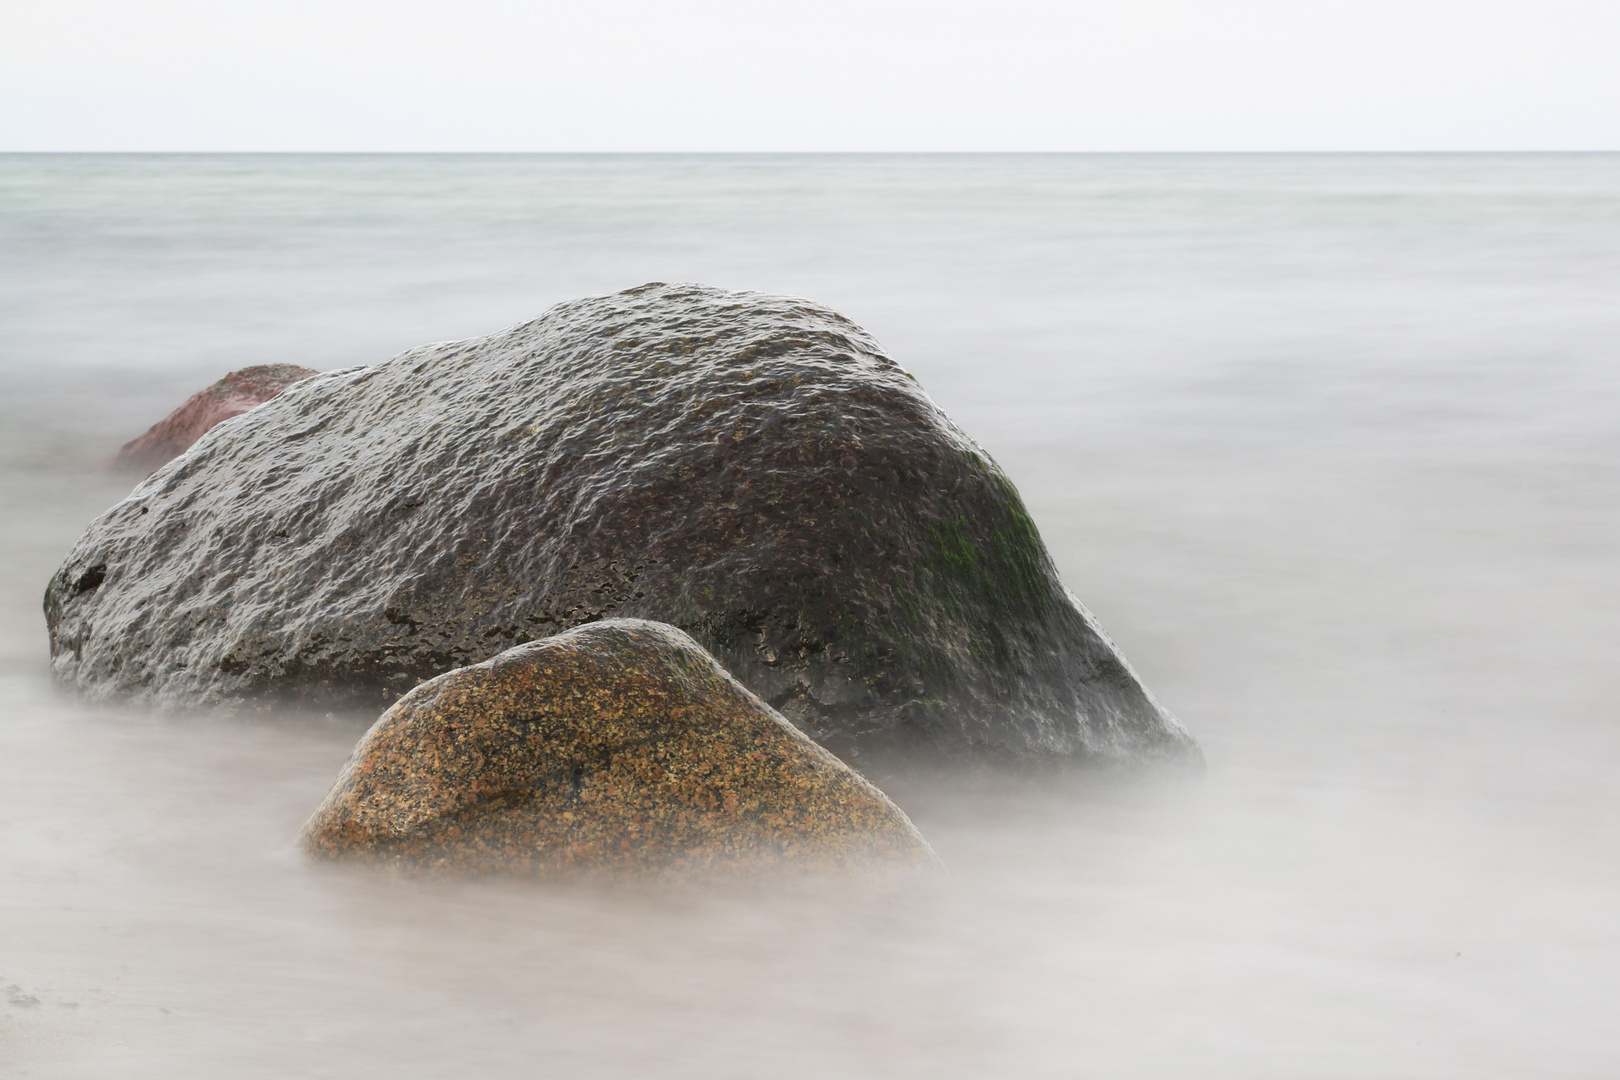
[(619, 746), (750, 468), (232, 396)]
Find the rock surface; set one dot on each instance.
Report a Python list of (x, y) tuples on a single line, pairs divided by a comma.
[(232, 396), (750, 468), (621, 746)]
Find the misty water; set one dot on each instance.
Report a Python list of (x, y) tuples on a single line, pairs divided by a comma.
[(1330, 445)]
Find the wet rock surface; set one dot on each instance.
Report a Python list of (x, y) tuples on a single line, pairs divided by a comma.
[(750, 468), (232, 396), (619, 746)]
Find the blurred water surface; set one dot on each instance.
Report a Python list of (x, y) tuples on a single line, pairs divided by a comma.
[(1330, 444)]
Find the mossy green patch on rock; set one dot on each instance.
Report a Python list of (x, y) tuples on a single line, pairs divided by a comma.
[(619, 746)]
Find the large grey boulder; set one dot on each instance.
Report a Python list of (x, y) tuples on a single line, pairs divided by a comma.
[(750, 468)]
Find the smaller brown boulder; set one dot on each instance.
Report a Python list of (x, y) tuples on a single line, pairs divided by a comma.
[(617, 746), (233, 395)]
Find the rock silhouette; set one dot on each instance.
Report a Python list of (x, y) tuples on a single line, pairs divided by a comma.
[(232, 396), (620, 745), (750, 468)]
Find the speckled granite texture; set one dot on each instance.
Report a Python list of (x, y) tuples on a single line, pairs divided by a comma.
[(750, 468), (619, 746)]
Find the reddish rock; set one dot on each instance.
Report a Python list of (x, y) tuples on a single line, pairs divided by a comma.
[(232, 396)]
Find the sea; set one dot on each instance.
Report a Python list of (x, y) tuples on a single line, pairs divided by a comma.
[(1330, 445)]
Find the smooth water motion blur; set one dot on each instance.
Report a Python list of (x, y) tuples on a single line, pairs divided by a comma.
[(1327, 443)]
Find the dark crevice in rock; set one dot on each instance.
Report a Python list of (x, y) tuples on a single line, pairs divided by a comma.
[(90, 580)]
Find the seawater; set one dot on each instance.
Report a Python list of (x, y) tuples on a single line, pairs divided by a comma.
[(1329, 444)]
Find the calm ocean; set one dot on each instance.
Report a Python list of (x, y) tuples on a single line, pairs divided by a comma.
[(1329, 444)]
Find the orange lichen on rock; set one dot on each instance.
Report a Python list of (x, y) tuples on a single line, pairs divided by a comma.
[(619, 746)]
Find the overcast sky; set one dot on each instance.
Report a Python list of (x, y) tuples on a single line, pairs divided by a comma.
[(809, 75)]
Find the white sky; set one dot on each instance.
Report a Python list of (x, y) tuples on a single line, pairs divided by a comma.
[(809, 75)]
